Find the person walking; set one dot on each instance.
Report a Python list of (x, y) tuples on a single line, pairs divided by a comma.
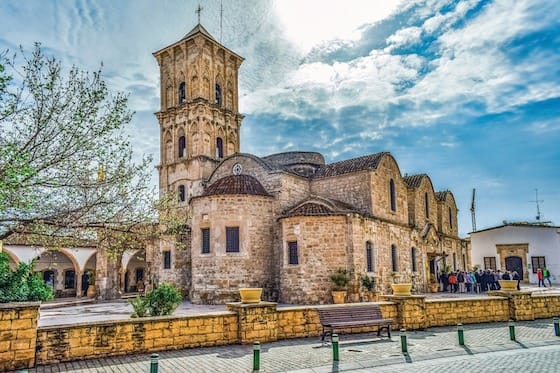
[(452, 282), (515, 276), (546, 275), (540, 277)]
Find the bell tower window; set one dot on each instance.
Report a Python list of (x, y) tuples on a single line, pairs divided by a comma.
[(182, 194), (182, 147), (218, 94), (392, 195), (219, 148), (182, 94)]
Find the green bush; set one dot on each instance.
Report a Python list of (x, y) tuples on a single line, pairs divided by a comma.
[(158, 302), (340, 279), (21, 284)]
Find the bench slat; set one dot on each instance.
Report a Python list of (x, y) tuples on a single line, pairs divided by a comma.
[(353, 316)]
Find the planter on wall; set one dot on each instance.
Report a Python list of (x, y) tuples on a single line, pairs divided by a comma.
[(250, 295), (338, 297), (401, 289), (434, 287), (91, 292), (508, 285)]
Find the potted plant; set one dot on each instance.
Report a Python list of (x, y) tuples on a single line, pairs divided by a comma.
[(399, 287), (91, 292), (340, 280), (370, 285), (433, 284)]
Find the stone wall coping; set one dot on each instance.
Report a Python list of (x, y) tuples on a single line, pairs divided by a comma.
[(288, 308), (137, 320), (539, 295), (447, 300), (252, 305), (19, 305)]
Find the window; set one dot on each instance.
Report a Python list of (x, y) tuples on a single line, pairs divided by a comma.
[(369, 256), (450, 219), (48, 277), (426, 205), (394, 258), (538, 262), (232, 239), (205, 234), (218, 94), (489, 262), (413, 259), (454, 261), (219, 148), (181, 193), (182, 95), (182, 147), (166, 259), (392, 195), (69, 279), (292, 253)]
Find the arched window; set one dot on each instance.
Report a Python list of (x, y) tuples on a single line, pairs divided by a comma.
[(450, 219), (182, 193), (219, 148), (182, 147), (369, 256), (413, 259), (426, 205), (392, 195), (182, 93), (394, 259), (218, 94)]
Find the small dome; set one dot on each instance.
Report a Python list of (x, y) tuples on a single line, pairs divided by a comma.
[(236, 184)]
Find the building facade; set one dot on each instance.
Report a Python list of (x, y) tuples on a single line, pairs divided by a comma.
[(521, 247), (287, 221)]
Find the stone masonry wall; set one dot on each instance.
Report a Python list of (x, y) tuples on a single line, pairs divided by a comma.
[(18, 335), (441, 312), (110, 338), (545, 306)]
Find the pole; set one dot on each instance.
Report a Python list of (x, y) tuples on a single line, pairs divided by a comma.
[(404, 346), (336, 354), (511, 330), (256, 356), (556, 326), (460, 334), (154, 363)]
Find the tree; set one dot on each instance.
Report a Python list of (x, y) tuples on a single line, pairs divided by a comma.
[(66, 167)]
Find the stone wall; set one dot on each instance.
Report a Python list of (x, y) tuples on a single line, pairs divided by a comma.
[(110, 338), (545, 305), (441, 312), (18, 335)]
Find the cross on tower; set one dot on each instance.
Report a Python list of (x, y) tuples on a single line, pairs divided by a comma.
[(198, 11)]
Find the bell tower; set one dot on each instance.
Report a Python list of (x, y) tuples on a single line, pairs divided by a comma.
[(199, 117)]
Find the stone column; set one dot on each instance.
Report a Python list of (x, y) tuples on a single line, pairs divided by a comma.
[(520, 304), (18, 335), (411, 311), (79, 273), (256, 321)]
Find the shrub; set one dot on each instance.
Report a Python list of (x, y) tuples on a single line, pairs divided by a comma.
[(369, 283), (340, 278), (21, 284), (158, 302)]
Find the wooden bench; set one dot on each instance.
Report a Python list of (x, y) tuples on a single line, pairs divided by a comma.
[(350, 316)]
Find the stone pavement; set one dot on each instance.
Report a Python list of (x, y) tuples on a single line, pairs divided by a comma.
[(487, 346)]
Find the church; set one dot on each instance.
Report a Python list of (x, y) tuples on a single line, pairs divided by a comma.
[(284, 222)]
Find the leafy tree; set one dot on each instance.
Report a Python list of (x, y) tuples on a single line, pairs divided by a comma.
[(21, 284), (161, 301), (66, 167)]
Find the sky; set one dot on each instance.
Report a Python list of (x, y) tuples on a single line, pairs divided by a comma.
[(466, 91)]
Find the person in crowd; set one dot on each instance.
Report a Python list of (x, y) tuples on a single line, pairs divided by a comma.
[(506, 276), (474, 283), (468, 282), (461, 281), (515, 276), (444, 278), (478, 279), (452, 282), (497, 278), (540, 277), (547, 275)]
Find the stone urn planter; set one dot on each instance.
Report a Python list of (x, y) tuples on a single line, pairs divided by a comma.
[(338, 297), (401, 289), (434, 287), (250, 295), (91, 292), (508, 285)]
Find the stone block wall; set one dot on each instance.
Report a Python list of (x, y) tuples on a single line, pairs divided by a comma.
[(545, 306), (99, 339), (18, 335), (441, 312)]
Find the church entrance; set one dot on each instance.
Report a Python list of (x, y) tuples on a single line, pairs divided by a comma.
[(514, 263)]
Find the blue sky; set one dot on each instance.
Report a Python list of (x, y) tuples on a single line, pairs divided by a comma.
[(465, 91)]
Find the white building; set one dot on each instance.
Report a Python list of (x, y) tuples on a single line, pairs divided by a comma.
[(521, 247)]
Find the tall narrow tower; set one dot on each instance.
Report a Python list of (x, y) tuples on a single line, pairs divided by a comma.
[(199, 117)]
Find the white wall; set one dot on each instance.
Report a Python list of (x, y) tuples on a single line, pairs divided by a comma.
[(542, 241)]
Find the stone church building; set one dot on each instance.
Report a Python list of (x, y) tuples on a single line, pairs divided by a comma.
[(284, 222)]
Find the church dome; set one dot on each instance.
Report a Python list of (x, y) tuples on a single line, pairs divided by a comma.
[(236, 184)]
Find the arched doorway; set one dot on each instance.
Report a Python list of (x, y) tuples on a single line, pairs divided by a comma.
[(514, 263)]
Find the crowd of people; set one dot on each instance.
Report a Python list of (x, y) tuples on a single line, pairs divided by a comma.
[(478, 281)]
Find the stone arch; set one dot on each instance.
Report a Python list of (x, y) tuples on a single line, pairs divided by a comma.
[(168, 93), (131, 263), (14, 260), (168, 147), (59, 261)]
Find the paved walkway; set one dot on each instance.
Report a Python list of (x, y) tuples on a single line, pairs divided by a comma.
[(487, 348)]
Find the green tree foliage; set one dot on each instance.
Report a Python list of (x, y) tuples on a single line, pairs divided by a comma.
[(158, 302), (66, 167), (21, 284)]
